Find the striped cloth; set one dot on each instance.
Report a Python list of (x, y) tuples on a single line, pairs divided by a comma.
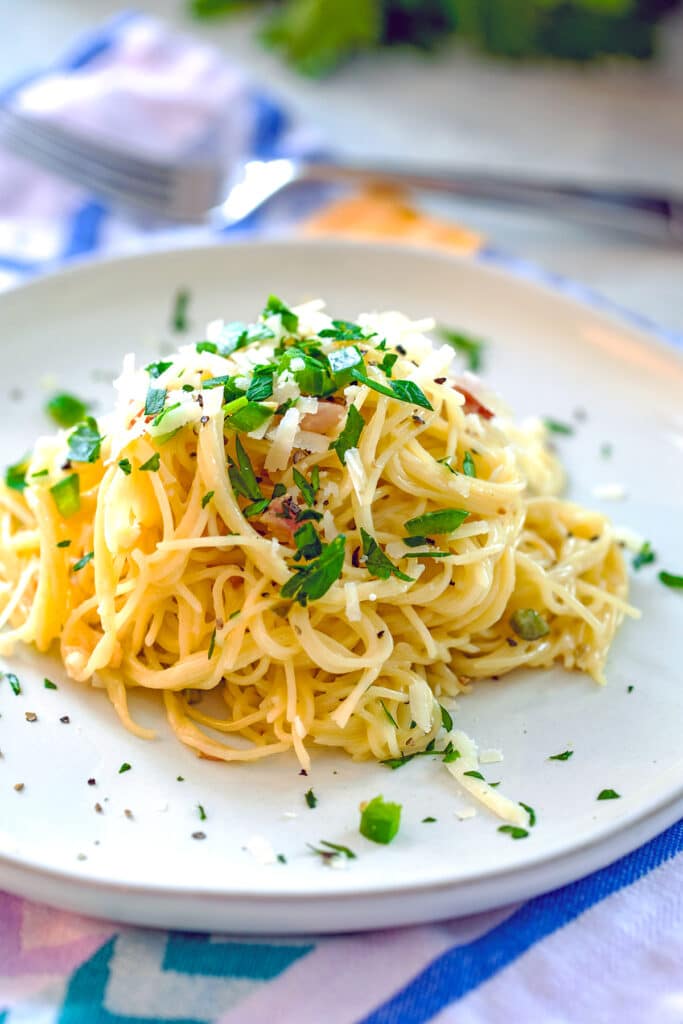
[(607, 948)]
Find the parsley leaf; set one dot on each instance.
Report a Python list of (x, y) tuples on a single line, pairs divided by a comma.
[(155, 401), (261, 384), (125, 767), (388, 714), (387, 364), (471, 348), (85, 442), (290, 321), (15, 476), (313, 580), (311, 799), (468, 467), (608, 794), (13, 681), (446, 719), (564, 756), (308, 543), (307, 490), (531, 812), (242, 476), (343, 330), (644, 557), (342, 362), (82, 562), (65, 409), (125, 466), (558, 427), (403, 390), (156, 369), (514, 831), (249, 417), (444, 521), (179, 313), (377, 563), (207, 498), (350, 434), (669, 579), (152, 464)]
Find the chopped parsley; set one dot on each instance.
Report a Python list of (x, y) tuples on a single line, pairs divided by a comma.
[(377, 563), (249, 417), (350, 435), (428, 554), (262, 384), (333, 850), (82, 562), (125, 466), (564, 756), (256, 508), (669, 579), (529, 624), (160, 417), (389, 715), (67, 495), (49, 685), (65, 409), (308, 491), (155, 400), (125, 767), (152, 464), (290, 321), (608, 794), (64, 544), (446, 719), (281, 859), (207, 498), (645, 556), (380, 820), (311, 799), (212, 644), (15, 476), (179, 312), (531, 812), (428, 820), (444, 521), (514, 831), (449, 754), (311, 581), (85, 442), (308, 543), (242, 475), (201, 812), (606, 450), (41, 472), (557, 426), (343, 330), (13, 680), (341, 363), (403, 390), (388, 362), (156, 369), (475, 775), (468, 467), (471, 348)]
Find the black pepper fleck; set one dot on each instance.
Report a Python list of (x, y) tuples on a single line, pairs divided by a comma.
[(439, 380), (303, 772), (92, 782), (99, 809), (65, 719), (199, 835), (400, 349), (19, 786), (128, 813), (511, 641), (355, 558)]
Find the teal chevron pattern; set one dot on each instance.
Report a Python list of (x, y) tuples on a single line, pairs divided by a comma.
[(151, 978)]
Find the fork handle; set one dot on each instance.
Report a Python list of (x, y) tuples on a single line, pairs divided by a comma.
[(641, 210)]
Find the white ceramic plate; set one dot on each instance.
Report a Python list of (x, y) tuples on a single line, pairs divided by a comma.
[(547, 355)]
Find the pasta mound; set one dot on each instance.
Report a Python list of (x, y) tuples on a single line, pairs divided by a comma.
[(318, 521)]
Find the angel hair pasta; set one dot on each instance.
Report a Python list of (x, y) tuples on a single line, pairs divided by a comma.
[(317, 520)]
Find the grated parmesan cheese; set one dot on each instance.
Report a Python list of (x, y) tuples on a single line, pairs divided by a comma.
[(283, 441), (491, 756), (501, 805), (352, 602), (354, 464), (610, 492), (465, 813), (329, 528), (421, 704)]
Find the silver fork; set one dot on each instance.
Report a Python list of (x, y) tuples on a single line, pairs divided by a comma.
[(193, 192)]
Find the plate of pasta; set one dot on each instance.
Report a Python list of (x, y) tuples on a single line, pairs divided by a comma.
[(339, 587)]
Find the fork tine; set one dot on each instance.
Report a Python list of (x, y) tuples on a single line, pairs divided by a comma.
[(79, 148)]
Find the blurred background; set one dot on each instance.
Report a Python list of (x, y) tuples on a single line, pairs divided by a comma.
[(590, 90)]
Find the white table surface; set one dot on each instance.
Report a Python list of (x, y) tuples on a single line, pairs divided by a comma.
[(614, 123)]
